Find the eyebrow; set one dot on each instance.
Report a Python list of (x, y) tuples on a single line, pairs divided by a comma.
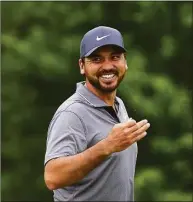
[(98, 55), (94, 55)]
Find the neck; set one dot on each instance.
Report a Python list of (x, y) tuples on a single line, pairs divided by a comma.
[(106, 97)]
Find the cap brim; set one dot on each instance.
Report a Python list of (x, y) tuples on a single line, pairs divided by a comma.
[(95, 48)]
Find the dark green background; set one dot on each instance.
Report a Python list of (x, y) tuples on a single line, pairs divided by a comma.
[(40, 52)]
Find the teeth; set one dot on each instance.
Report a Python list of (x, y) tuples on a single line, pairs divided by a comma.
[(108, 76)]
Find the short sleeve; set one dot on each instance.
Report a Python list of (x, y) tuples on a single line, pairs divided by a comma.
[(66, 136)]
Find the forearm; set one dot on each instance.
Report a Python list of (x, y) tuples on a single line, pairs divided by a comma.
[(65, 171)]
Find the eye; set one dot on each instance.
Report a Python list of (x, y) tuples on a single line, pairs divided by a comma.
[(96, 59), (116, 57)]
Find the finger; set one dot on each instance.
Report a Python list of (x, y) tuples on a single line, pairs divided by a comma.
[(139, 137), (141, 123), (140, 130), (129, 130), (135, 127), (129, 123)]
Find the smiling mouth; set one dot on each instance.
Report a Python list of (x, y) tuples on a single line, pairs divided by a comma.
[(107, 76)]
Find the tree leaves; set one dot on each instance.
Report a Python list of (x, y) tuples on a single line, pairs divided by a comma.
[(40, 52)]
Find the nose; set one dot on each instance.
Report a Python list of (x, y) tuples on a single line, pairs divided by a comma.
[(108, 65)]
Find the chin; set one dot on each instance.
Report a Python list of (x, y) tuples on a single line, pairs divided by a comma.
[(104, 87), (109, 88)]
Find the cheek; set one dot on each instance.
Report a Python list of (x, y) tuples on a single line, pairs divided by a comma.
[(91, 71), (122, 67)]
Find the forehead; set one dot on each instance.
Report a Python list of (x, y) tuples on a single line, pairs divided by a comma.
[(108, 49)]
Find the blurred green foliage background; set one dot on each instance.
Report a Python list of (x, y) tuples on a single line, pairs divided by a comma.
[(40, 52)]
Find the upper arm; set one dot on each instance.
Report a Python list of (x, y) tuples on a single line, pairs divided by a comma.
[(66, 136)]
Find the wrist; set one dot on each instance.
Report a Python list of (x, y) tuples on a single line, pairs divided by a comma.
[(105, 147)]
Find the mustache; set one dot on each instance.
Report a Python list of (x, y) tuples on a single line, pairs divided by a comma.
[(109, 71)]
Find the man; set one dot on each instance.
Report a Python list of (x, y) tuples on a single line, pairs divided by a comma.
[(91, 145)]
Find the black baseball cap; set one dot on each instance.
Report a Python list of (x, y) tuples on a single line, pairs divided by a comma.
[(98, 37)]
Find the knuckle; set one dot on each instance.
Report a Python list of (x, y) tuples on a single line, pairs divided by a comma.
[(125, 131), (135, 133), (129, 142), (140, 131), (134, 128), (137, 127)]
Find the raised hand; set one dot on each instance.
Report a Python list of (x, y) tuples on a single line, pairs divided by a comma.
[(125, 134)]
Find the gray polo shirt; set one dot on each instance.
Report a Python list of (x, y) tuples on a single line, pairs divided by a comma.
[(79, 123)]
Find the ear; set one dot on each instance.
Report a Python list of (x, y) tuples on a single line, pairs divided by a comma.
[(126, 67), (81, 65)]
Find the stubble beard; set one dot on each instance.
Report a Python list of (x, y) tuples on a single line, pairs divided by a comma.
[(105, 89)]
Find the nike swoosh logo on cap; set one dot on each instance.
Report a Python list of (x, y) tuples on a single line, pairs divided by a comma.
[(99, 38)]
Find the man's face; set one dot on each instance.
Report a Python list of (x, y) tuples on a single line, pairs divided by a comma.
[(105, 68)]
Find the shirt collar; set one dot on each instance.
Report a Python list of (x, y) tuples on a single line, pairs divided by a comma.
[(90, 97)]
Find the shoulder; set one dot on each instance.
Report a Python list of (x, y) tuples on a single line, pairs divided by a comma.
[(66, 119), (72, 110), (74, 105)]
